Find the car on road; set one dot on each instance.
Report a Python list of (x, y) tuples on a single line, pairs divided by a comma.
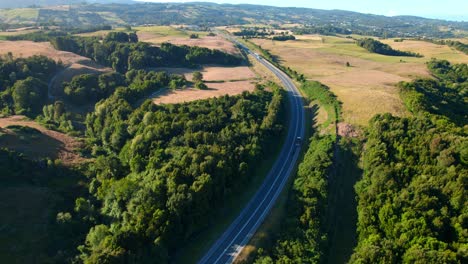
[(298, 141)]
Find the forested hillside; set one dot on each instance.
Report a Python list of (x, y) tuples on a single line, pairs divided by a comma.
[(158, 172), (123, 52), (413, 194), (161, 171), (23, 84)]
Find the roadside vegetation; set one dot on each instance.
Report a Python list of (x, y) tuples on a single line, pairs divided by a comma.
[(303, 235), (315, 91), (188, 172), (305, 225)]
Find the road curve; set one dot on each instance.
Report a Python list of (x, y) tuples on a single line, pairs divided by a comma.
[(234, 239)]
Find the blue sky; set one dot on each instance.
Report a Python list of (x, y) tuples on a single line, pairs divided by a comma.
[(445, 9)]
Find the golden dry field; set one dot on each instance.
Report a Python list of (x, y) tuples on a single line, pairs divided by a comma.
[(214, 90), (220, 81), (367, 87), (160, 34)]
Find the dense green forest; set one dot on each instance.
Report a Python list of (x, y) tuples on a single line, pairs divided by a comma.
[(378, 47), (161, 170), (123, 52), (134, 85), (23, 84), (158, 172), (303, 236), (413, 194), (38, 36), (444, 96)]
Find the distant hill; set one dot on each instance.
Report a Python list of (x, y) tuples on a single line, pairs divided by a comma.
[(210, 14), (29, 3)]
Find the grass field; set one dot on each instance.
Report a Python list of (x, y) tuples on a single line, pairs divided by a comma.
[(19, 15), (215, 73), (18, 32), (368, 86), (214, 90), (177, 36), (220, 81)]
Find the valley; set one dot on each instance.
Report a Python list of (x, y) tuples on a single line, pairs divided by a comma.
[(195, 132)]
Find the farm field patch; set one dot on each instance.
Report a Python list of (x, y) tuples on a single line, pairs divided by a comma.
[(367, 87)]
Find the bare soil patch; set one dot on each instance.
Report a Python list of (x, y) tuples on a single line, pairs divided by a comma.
[(50, 144), (214, 90), (347, 130)]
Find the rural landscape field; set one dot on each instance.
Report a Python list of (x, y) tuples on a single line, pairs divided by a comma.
[(197, 132)]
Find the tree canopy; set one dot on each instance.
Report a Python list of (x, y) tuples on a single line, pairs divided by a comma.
[(378, 47), (412, 197), (160, 171)]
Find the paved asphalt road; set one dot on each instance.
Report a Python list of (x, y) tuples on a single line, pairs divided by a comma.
[(234, 239)]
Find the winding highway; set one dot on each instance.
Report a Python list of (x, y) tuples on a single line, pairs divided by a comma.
[(239, 233)]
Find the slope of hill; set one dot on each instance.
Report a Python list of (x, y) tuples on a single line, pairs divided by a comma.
[(217, 15)]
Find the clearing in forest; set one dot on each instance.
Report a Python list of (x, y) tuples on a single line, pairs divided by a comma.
[(214, 73), (220, 81), (214, 90)]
